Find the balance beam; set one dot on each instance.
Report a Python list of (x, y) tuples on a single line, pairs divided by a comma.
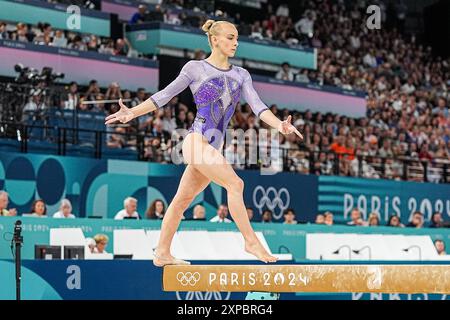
[(308, 278)]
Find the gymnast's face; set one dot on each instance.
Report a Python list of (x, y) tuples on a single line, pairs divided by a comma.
[(227, 39)]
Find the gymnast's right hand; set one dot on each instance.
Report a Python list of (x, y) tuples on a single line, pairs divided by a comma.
[(123, 115)]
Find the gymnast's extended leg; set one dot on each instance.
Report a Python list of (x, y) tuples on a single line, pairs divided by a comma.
[(191, 184), (213, 165)]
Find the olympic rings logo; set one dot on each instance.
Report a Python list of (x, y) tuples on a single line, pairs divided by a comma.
[(265, 200), (188, 278)]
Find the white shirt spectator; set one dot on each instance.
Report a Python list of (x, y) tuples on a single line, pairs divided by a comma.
[(370, 60), (218, 219), (59, 214), (287, 76), (408, 88), (305, 26), (123, 213)]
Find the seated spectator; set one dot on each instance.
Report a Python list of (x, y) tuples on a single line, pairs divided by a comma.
[(356, 218), (329, 218), (156, 210), (101, 242), (373, 220), (3, 33), (139, 16), (289, 216), (440, 247), (65, 210), (113, 92), (77, 44), (199, 213), (436, 220), (156, 15), (394, 221), (59, 39), (222, 213), (38, 209), (249, 213), (90, 243), (285, 73), (4, 201), (71, 99), (129, 211), (416, 221), (22, 34), (320, 219), (266, 216)]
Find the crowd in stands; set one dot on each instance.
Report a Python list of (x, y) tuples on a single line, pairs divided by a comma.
[(44, 34), (408, 103)]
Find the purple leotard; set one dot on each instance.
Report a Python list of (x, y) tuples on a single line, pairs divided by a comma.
[(216, 93)]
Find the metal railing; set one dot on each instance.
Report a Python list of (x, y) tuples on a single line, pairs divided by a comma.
[(95, 143)]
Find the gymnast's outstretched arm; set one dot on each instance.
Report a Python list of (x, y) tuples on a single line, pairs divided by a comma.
[(262, 111), (157, 100)]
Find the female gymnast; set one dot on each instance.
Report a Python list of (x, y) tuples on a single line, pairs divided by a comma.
[(216, 86)]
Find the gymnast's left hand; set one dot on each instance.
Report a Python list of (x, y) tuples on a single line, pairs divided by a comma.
[(123, 115), (286, 127)]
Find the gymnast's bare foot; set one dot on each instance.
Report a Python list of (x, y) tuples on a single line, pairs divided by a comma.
[(163, 259), (256, 249)]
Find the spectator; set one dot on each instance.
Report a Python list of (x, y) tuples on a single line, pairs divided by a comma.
[(59, 39), (222, 213), (440, 247), (65, 210), (3, 33), (305, 26), (320, 219), (250, 213), (373, 220), (71, 100), (156, 210), (329, 219), (199, 213), (139, 16), (113, 92), (77, 44), (38, 209), (157, 14), (266, 216), (101, 242), (4, 201), (416, 221), (91, 244), (285, 73), (289, 216), (356, 218), (436, 220), (129, 211), (93, 91), (394, 221)]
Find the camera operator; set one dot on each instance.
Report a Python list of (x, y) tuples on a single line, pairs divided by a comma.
[(35, 104)]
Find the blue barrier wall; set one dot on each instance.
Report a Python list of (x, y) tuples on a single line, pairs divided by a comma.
[(148, 37), (98, 187)]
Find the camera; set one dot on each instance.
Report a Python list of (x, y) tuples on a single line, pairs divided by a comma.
[(32, 76)]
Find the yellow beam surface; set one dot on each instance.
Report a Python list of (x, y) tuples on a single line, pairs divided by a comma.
[(308, 278)]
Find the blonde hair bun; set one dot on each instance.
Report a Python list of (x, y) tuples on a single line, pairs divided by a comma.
[(207, 25)]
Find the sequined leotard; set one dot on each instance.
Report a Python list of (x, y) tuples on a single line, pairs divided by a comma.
[(216, 93)]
